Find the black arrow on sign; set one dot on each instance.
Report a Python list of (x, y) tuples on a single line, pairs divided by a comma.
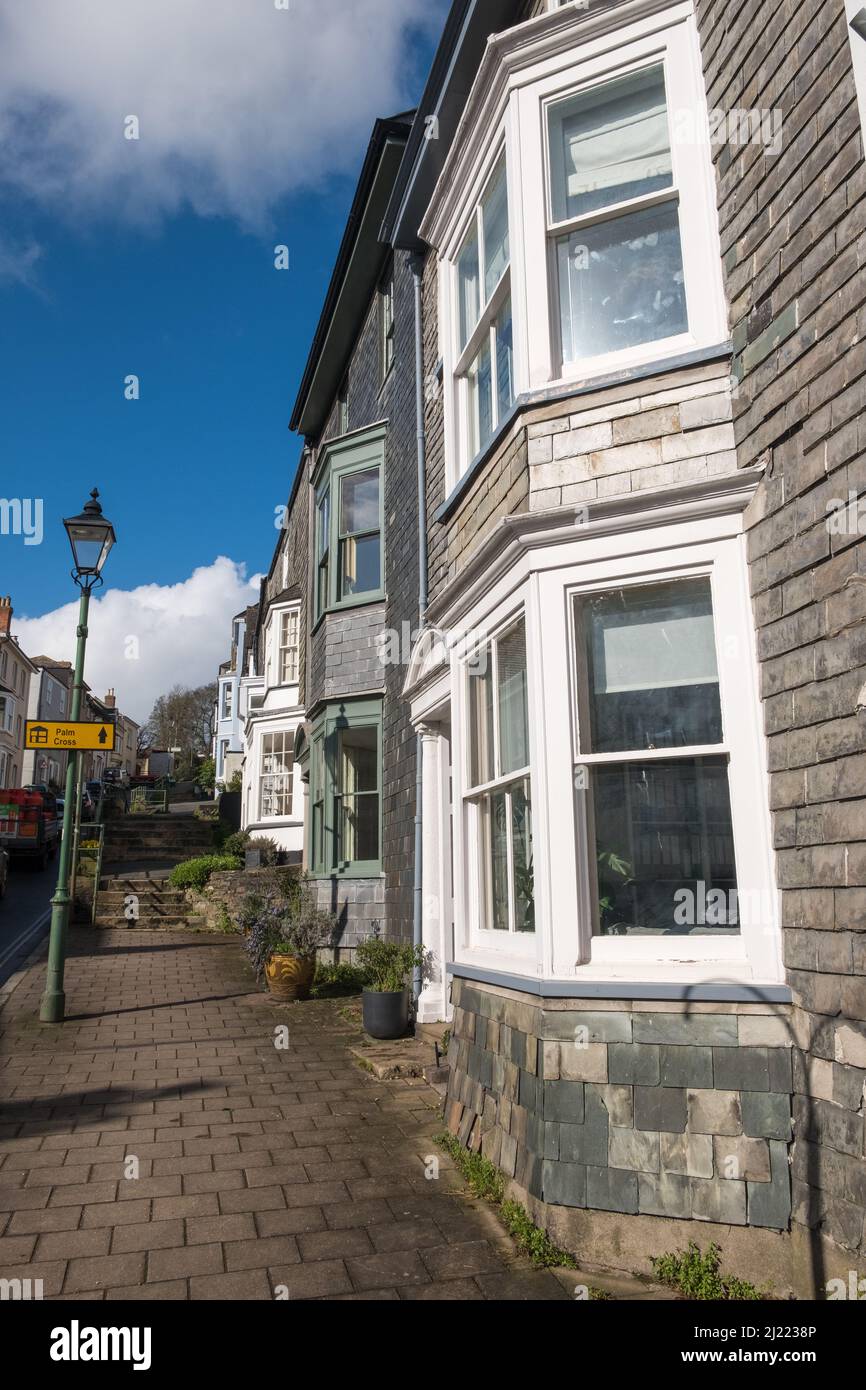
[(102, 735)]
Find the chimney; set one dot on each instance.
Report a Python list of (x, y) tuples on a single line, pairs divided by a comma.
[(5, 616), (109, 700)]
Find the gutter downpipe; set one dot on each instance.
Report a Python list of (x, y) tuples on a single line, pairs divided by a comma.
[(417, 263)]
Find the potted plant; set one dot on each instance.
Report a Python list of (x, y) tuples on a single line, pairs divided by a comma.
[(283, 942), (387, 965)]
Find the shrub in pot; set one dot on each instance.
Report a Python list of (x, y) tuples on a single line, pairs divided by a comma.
[(283, 941), (388, 966)]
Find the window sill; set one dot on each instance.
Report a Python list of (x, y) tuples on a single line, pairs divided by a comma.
[(340, 874), (582, 987), (570, 390)]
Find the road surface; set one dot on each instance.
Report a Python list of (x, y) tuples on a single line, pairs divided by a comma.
[(24, 914)]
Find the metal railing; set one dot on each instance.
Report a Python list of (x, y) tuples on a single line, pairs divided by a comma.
[(144, 799), (87, 860)]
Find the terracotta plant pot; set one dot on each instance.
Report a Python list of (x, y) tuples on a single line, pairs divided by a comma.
[(290, 977)]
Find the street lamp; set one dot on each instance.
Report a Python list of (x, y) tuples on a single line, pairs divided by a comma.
[(91, 536)]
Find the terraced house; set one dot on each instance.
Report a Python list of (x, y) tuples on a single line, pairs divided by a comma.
[(641, 690), (584, 449)]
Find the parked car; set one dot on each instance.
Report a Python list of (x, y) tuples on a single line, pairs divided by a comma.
[(29, 828)]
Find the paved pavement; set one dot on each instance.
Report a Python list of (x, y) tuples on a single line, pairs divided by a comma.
[(261, 1172)]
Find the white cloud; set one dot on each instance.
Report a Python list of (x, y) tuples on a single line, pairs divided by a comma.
[(17, 262), (183, 633), (238, 102)]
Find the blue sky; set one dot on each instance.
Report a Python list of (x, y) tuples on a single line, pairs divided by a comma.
[(155, 257), (218, 338)]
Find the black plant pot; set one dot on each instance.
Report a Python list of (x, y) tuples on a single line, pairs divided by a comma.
[(386, 1012)]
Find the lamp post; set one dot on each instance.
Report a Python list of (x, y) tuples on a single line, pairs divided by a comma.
[(91, 536)]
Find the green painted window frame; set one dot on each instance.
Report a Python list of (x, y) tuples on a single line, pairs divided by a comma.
[(339, 461), (325, 860)]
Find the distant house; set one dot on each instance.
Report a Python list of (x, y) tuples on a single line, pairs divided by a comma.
[(49, 699), (16, 673)]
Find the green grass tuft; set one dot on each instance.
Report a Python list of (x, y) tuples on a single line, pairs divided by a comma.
[(485, 1180), (697, 1276), (532, 1241)]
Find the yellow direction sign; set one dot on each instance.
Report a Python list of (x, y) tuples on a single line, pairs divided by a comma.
[(39, 734)]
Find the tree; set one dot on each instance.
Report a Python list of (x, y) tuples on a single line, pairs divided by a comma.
[(184, 719)]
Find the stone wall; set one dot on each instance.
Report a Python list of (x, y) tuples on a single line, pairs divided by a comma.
[(674, 427), (628, 1106), (793, 228), (344, 658), (359, 906)]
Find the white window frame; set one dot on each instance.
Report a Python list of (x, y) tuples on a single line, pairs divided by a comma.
[(464, 357), (547, 59), (286, 778), (288, 653), (543, 582), (10, 705), (227, 701), (488, 650)]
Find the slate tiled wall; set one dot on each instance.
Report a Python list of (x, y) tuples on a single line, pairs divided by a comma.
[(628, 1107), (793, 243), (346, 650)]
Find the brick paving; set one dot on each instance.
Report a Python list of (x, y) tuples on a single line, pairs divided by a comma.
[(262, 1172)]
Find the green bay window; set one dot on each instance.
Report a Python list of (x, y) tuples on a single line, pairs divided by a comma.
[(346, 789), (349, 523)]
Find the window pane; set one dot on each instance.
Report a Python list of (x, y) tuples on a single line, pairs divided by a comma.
[(358, 785), (609, 144), (521, 836), (359, 502), (504, 362), (494, 220), (513, 717), (665, 848), (359, 760), (467, 285), (493, 827), (324, 525), (480, 384), (653, 681), (480, 720), (360, 828), (360, 570), (621, 283)]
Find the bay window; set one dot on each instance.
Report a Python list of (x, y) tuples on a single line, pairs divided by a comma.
[(346, 790), (498, 800), (349, 523), (575, 217), (610, 782)]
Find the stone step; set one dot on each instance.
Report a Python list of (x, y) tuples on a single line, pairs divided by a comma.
[(116, 921), (148, 897)]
